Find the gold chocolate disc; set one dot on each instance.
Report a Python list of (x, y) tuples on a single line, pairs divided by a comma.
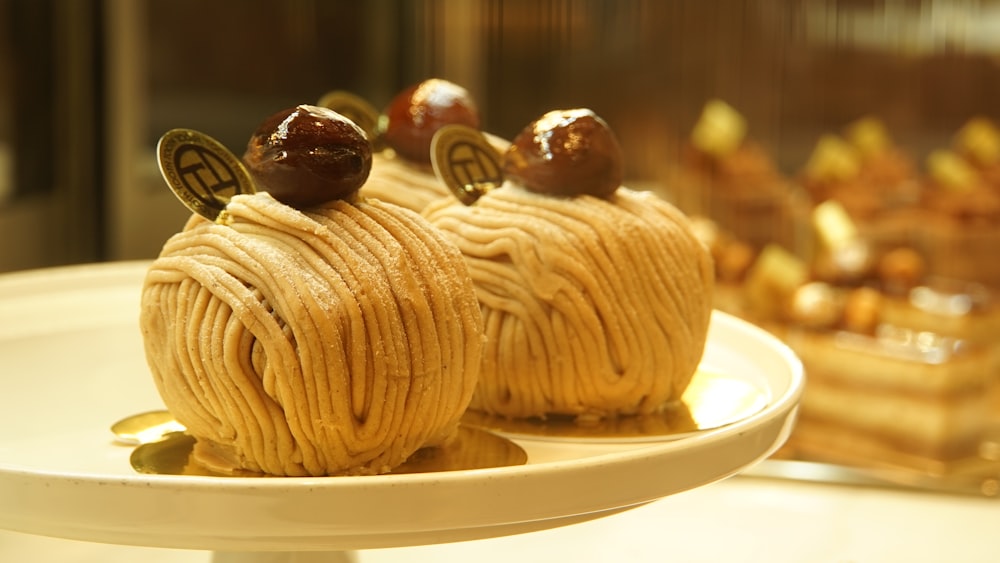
[(201, 171), (472, 448), (355, 108), (466, 162), (146, 427)]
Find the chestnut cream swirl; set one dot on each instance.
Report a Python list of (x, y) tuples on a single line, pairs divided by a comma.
[(339, 339), (404, 183)]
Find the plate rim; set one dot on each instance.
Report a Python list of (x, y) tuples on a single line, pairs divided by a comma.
[(776, 417)]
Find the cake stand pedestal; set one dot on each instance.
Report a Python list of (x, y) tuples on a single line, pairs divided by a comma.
[(70, 344), (284, 557)]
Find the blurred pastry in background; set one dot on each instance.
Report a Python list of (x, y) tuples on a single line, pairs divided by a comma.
[(873, 180), (884, 165), (731, 179), (960, 229), (978, 143)]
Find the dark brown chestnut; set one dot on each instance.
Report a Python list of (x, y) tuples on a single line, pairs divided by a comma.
[(308, 155), (566, 152), (416, 113)]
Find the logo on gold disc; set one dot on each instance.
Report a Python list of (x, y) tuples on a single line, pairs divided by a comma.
[(201, 172), (466, 162)]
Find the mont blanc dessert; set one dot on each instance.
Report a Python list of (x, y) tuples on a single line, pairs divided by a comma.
[(308, 332), (596, 298)]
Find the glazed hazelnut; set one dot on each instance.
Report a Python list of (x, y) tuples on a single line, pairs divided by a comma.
[(417, 112), (734, 261), (815, 305), (847, 264), (863, 310), (308, 155), (901, 269), (566, 153)]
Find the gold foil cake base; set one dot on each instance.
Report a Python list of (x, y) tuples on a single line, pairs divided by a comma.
[(472, 448), (712, 400)]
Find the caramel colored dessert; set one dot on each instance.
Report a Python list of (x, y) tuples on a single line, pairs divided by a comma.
[(596, 298), (864, 171), (336, 336), (977, 142), (730, 178), (950, 214), (898, 398), (887, 295), (960, 230), (874, 181), (902, 368)]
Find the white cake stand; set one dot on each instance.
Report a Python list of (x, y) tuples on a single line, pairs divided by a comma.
[(72, 363)]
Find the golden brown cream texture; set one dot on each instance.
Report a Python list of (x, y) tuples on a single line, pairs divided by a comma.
[(591, 306), (404, 183), (409, 184), (336, 340)]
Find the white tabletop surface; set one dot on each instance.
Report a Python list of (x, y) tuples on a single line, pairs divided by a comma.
[(740, 519)]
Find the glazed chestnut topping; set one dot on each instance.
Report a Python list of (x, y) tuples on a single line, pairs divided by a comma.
[(417, 112), (566, 152), (307, 155)]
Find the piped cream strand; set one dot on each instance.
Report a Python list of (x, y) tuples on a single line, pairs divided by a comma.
[(403, 183)]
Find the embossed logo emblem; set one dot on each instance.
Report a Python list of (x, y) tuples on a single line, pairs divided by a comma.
[(466, 162), (201, 172)]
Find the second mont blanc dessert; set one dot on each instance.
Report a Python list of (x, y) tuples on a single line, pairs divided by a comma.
[(596, 299)]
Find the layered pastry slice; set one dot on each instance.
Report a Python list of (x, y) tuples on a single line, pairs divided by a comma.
[(903, 371)]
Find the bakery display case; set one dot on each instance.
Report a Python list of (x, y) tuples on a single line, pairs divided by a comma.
[(839, 155), (838, 159), (58, 463), (864, 240)]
